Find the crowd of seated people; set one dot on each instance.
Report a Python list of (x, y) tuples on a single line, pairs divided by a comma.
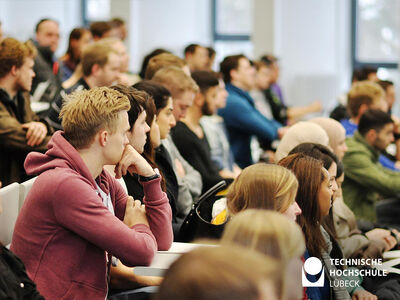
[(120, 161)]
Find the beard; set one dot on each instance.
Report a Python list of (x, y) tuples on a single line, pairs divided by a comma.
[(380, 144)]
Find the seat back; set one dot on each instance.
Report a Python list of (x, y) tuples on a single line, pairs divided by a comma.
[(9, 196), (25, 187)]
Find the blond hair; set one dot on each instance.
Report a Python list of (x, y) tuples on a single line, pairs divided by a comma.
[(85, 112), (96, 53), (363, 92), (215, 273), (161, 61), (264, 186), (268, 232), (176, 81)]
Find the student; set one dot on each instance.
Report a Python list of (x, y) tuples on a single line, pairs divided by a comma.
[(76, 214), (362, 96), (272, 234), (47, 82), (241, 117), (14, 282), (78, 38), (100, 30), (214, 273), (100, 66), (366, 179), (21, 130), (314, 198), (188, 134), (196, 57), (215, 131), (262, 186)]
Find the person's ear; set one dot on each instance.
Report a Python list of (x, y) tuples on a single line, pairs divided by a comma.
[(362, 109), (233, 74), (103, 136), (199, 99), (371, 136), (14, 70), (95, 69)]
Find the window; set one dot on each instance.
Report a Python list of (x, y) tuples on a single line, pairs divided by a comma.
[(232, 27), (95, 10), (376, 33)]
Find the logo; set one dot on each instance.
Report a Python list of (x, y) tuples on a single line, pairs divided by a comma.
[(313, 266)]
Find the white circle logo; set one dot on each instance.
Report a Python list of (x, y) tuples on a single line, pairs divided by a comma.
[(313, 266)]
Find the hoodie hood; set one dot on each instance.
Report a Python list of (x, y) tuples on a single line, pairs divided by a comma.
[(60, 154)]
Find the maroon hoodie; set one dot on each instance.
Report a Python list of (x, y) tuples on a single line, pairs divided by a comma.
[(64, 233)]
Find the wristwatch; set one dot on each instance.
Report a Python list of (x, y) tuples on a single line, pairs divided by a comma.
[(146, 179)]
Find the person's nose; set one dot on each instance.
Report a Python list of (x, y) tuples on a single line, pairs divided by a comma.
[(298, 210), (172, 122)]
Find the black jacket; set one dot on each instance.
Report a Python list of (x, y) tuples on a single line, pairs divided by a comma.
[(14, 282), (47, 72)]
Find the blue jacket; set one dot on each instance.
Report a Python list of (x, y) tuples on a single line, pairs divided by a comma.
[(242, 121)]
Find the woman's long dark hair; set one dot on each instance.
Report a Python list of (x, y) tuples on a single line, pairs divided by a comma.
[(309, 173), (160, 96), (159, 99), (327, 157), (76, 34)]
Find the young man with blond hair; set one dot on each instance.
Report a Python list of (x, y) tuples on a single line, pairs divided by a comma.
[(77, 219), (21, 131), (363, 95), (101, 67)]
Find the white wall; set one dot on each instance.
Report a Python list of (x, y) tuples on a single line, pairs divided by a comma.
[(313, 44), (171, 24), (19, 17)]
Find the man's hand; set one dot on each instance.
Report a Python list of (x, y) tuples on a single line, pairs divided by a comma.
[(36, 132), (133, 162), (383, 235), (179, 168), (135, 213), (363, 295)]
